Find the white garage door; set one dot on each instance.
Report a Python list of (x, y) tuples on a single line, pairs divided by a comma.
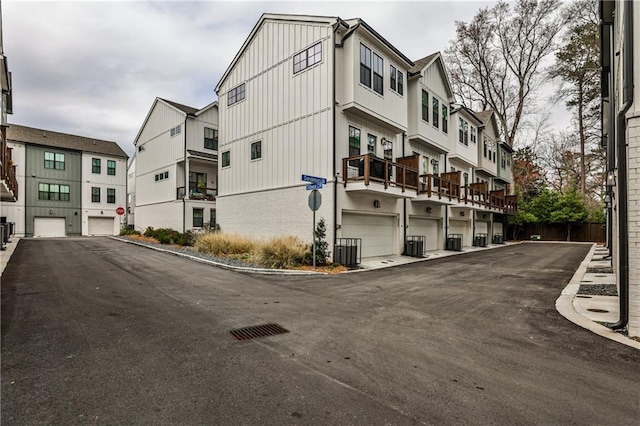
[(100, 226), (482, 227), (460, 227), (377, 232), (49, 227), (425, 227)]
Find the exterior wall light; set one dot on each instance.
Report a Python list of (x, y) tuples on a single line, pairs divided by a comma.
[(611, 179)]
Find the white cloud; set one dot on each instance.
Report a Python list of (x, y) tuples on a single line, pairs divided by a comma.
[(94, 68)]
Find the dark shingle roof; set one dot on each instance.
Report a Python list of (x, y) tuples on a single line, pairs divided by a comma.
[(421, 63), (484, 116), (184, 108), (35, 136), (202, 154)]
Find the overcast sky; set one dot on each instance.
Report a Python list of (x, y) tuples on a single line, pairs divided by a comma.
[(94, 68)]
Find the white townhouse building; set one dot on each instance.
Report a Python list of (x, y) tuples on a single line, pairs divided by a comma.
[(68, 184), (334, 99), (131, 191), (620, 61), (175, 168)]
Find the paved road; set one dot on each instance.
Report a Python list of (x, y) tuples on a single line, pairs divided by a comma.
[(98, 331)]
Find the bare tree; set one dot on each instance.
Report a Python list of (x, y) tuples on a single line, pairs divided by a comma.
[(494, 60)]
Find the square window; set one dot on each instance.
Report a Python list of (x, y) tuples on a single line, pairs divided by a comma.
[(256, 150), (95, 165), (235, 95), (226, 159), (111, 167)]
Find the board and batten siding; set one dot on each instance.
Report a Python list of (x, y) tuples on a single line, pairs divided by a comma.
[(103, 181), (36, 174), (195, 129), (14, 212), (290, 114)]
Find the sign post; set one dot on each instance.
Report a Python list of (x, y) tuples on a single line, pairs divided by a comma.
[(315, 200), (120, 212)]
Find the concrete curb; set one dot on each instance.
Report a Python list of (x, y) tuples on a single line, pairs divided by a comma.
[(5, 255), (564, 306), (259, 271)]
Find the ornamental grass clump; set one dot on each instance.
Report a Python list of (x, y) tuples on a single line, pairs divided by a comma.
[(284, 252), (216, 244)]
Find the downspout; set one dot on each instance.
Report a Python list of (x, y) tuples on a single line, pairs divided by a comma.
[(446, 211), (404, 206), (184, 196), (333, 108), (611, 131), (623, 202)]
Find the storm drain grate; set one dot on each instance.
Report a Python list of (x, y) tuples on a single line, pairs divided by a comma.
[(264, 330), (599, 270)]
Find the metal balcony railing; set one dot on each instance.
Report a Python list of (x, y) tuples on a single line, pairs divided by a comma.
[(207, 194)]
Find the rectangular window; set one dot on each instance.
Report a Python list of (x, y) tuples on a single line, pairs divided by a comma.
[(484, 147), (111, 167), (365, 65), (474, 135), (445, 119), (197, 181), (378, 74), (162, 176), (235, 95), (256, 150), (95, 195), (53, 161), (425, 106), (461, 130), (307, 58), (210, 138), (392, 78), (400, 83), (96, 165), (466, 132), (176, 130), (436, 111), (388, 153), (226, 159), (212, 218), (111, 195), (371, 144), (53, 192), (198, 218), (354, 141), (436, 167)]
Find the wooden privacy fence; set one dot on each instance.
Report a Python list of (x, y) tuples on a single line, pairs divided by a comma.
[(587, 232)]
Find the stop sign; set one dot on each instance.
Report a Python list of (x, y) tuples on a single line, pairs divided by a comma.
[(120, 211)]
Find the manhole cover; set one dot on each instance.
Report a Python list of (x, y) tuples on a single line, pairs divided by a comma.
[(264, 330), (598, 311)]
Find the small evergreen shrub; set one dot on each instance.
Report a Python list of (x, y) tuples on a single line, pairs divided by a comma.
[(169, 236), (129, 231)]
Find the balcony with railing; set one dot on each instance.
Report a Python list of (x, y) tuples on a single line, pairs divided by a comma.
[(443, 188), (197, 193), (368, 173), (9, 182)]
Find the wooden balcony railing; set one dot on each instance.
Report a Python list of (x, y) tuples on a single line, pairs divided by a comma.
[(369, 168), (434, 185), (8, 171), (511, 204), (207, 194)]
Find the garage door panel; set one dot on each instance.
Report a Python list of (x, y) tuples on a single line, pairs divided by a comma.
[(376, 232), (460, 227), (429, 228), (49, 227), (482, 227), (101, 226), (497, 228)]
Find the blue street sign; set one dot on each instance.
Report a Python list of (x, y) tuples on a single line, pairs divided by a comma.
[(313, 186), (314, 179)]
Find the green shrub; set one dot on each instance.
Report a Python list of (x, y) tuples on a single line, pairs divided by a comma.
[(169, 236), (284, 252), (128, 231), (216, 243)]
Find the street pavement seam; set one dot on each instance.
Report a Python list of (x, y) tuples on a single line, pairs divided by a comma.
[(564, 306)]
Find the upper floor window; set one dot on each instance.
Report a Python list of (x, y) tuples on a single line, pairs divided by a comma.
[(235, 95), (392, 78), (485, 147), (307, 58), (111, 167), (96, 165), (371, 143), (53, 161), (425, 106), (226, 159), (95, 194), (435, 166), (378, 74), (211, 138), (53, 192), (400, 83), (463, 131), (365, 65), (354, 141), (388, 151), (436, 112), (176, 130), (445, 119), (474, 135), (162, 176), (111, 195), (256, 150)]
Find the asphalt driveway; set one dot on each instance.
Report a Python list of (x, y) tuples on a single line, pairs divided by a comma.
[(99, 331)]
